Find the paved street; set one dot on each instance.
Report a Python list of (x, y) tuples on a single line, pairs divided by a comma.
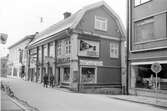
[(48, 99)]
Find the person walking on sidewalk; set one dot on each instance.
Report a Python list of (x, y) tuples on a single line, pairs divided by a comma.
[(52, 81), (45, 78)]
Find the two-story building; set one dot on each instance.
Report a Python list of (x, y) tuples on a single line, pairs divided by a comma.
[(147, 42), (83, 51), (18, 57)]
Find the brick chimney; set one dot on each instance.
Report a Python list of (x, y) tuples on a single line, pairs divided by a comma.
[(66, 15)]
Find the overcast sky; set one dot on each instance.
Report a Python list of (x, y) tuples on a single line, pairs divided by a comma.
[(19, 18)]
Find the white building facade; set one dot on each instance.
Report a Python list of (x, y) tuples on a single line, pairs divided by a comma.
[(18, 58)]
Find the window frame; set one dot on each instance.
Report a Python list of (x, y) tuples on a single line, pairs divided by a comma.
[(96, 19), (115, 48)]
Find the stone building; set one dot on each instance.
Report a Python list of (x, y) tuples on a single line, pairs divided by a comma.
[(147, 40), (83, 51)]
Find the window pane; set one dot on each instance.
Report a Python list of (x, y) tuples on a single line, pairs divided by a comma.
[(100, 23), (66, 77), (114, 50), (144, 30), (88, 75), (145, 78)]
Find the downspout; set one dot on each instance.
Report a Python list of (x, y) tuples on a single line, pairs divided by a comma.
[(128, 43)]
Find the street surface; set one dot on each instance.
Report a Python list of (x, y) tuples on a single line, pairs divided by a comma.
[(49, 99)]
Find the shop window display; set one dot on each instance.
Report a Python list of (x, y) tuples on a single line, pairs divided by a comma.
[(66, 77), (145, 78), (88, 75)]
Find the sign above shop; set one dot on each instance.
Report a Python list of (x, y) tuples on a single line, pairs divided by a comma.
[(88, 48), (91, 63)]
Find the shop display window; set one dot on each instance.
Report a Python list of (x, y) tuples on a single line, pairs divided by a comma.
[(87, 75), (145, 78), (66, 76)]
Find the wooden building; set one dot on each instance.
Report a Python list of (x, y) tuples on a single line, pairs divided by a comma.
[(83, 51)]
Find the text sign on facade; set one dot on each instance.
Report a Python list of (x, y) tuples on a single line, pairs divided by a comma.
[(156, 67), (88, 48), (92, 63)]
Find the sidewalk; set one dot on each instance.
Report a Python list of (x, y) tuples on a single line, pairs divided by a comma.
[(141, 99), (8, 104)]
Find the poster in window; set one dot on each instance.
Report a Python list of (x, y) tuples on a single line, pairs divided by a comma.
[(88, 48)]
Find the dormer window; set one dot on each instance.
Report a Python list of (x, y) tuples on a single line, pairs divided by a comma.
[(100, 23)]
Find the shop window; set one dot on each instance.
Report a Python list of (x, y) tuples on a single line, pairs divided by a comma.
[(139, 2), (88, 75), (100, 23), (114, 50), (144, 30), (66, 76), (145, 78)]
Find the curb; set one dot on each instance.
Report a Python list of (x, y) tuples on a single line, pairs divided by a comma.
[(155, 105), (18, 104)]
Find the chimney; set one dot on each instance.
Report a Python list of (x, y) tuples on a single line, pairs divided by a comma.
[(66, 15)]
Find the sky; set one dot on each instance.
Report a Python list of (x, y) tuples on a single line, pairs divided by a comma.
[(19, 18)]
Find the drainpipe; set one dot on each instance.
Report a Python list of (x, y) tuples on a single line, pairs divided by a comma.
[(128, 43)]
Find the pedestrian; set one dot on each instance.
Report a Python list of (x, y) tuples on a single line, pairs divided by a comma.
[(52, 81), (45, 78)]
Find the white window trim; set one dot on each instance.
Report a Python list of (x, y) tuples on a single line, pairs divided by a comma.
[(88, 67), (105, 20)]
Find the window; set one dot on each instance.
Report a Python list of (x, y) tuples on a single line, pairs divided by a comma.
[(59, 48), (66, 76), (144, 30), (45, 51), (40, 54), (114, 50), (100, 23), (51, 50), (139, 2), (145, 78), (67, 46), (88, 75)]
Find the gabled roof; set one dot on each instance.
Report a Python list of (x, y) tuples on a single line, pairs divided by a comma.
[(72, 22)]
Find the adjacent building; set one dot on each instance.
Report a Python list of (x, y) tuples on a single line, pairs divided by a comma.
[(3, 66), (18, 58), (147, 44), (83, 51)]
